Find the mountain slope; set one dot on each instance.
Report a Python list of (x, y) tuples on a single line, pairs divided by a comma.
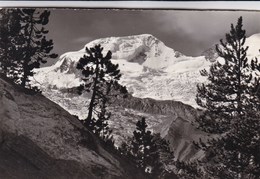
[(30, 161), (39, 139), (161, 116), (150, 69), (154, 74), (172, 119)]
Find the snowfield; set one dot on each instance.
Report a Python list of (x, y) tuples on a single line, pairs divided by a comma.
[(149, 68)]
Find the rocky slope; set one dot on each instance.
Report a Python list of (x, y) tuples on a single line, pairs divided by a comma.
[(39, 139), (161, 116), (172, 119)]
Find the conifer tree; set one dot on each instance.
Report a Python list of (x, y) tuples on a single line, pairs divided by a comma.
[(231, 102), (228, 95), (149, 152), (144, 147), (25, 43), (166, 157), (36, 48), (101, 78), (144, 150), (101, 123)]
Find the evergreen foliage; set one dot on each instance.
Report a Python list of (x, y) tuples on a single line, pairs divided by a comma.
[(231, 92), (188, 170), (24, 46), (144, 149), (231, 102), (9, 36), (101, 78), (166, 157), (150, 152)]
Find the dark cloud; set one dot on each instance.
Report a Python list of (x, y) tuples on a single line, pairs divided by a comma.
[(189, 32), (194, 31)]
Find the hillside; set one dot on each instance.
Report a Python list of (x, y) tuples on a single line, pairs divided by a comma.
[(161, 116), (39, 139)]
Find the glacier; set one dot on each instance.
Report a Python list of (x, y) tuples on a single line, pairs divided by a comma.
[(149, 68)]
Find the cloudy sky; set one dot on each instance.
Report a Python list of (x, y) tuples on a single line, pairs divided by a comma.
[(190, 32)]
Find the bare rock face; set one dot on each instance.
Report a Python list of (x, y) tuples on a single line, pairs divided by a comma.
[(160, 107), (39, 139), (172, 119), (181, 134), (22, 158), (210, 54)]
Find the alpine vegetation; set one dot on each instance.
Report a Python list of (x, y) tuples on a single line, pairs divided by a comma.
[(149, 152), (231, 102), (24, 45)]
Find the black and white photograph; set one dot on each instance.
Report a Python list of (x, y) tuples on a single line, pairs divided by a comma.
[(129, 93)]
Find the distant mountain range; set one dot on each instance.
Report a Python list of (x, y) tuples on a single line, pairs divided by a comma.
[(149, 67), (156, 76)]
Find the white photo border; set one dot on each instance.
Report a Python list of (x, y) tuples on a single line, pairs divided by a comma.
[(187, 5)]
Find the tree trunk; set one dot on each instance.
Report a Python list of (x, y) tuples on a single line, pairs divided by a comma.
[(28, 55), (91, 104)]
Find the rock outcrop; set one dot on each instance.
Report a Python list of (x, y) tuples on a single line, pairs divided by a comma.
[(39, 139)]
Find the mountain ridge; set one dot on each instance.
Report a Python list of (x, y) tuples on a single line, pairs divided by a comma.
[(146, 64)]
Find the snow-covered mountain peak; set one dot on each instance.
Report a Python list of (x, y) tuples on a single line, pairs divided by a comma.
[(254, 36), (144, 49), (253, 42), (125, 43), (68, 62), (149, 68)]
